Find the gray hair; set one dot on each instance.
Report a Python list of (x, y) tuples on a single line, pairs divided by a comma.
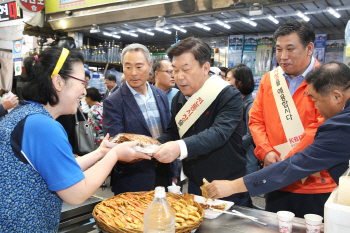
[(137, 47)]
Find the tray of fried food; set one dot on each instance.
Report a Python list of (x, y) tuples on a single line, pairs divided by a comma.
[(124, 212), (146, 144)]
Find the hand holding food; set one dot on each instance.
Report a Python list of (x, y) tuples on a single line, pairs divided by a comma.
[(220, 189), (167, 152), (204, 190)]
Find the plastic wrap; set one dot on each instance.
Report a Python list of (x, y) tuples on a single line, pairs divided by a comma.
[(146, 144)]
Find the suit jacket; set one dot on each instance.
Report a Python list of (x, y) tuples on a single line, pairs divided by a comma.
[(109, 92), (214, 141), (329, 151), (121, 114)]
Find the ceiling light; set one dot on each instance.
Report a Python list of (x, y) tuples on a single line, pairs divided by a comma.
[(134, 35), (179, 29), (150, 33), (227, 26), (125, 32), (167, 31), (249, 21), (245, 20), (141, 30), (158, 29), (253, 23), (305, 18), (206, 28), (219, 22), (116, 36), (107, 34), (222, 24), (301, 15), (333, 12), (198, 25), (273, 19)]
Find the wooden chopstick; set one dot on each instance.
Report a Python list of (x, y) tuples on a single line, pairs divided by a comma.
[(240, 215)]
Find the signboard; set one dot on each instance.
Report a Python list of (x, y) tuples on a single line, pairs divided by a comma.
[(235, 48), (10, 11), (17, 50), (32, 5), (53, 6)]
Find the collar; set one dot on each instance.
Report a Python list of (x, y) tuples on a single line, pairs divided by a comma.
[(133, 92), (308, 69)]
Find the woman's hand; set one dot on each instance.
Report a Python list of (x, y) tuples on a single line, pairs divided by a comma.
[(126, 154), (102, 150)]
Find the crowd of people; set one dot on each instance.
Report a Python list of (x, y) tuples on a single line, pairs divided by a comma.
[(207, 121)]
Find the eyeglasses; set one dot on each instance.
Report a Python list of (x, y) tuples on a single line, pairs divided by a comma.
[(168, 71), (83, 81)]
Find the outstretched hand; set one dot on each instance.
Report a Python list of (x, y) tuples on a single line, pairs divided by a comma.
[(167, 152), (126, 154), (220, 189)]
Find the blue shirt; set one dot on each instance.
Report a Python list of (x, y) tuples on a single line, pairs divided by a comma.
[(295, 82), (45, 145), (149, 109), (171, 93)]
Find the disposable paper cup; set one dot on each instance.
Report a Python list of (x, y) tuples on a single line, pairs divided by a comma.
[(285, 221), (174, 189), (313, 223)]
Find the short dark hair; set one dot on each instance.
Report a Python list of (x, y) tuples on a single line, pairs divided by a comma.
[(94, 94), (87, 74), (200, 50), (243, 74), (157, 65), (223, 69), (111, 77), (304, 30), (39, 86), (329, 76)]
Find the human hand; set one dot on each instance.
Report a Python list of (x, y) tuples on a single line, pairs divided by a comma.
[(103, 149), (167, 152), (126, 154), (220, 189), (174, 179), (9, 102), (271, 157)]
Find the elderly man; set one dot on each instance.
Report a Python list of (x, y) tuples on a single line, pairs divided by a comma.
[(206, 121), (282, 112), (164, 78), (140, 108), (329, 89)]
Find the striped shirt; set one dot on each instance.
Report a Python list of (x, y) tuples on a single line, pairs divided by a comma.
[(149, 109)]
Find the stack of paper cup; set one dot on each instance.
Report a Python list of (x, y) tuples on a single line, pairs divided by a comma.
[(313, 223), (285, 221)]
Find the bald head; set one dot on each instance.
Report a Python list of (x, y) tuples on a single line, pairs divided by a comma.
[(330, 76)]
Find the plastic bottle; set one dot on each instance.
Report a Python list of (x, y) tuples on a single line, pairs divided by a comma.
[(159, 217), (344, 188)]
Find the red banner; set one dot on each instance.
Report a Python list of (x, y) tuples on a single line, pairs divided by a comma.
[(33, 5)]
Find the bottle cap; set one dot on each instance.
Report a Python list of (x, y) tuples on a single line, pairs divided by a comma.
[(159, 192)]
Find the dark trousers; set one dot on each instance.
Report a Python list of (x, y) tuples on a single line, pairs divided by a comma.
[(299, 204), (242, 199)]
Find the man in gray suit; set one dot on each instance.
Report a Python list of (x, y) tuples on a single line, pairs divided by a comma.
[(111, 84), (140, 108)]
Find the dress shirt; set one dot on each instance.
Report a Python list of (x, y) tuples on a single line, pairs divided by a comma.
[(149, 109), (295, 82)]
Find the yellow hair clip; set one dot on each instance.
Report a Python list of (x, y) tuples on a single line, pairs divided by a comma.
[(60, 62)]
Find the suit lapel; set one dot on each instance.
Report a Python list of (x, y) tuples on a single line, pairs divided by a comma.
[(133, 106)]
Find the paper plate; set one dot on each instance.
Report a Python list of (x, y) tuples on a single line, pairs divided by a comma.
[(210, 214)]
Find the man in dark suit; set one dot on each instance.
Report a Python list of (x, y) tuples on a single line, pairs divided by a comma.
[(212, 145), (111, 84), (140, 108), (329, 88)]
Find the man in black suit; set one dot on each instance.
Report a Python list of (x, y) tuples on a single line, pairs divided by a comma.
[(111, 84), (211, 147)]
